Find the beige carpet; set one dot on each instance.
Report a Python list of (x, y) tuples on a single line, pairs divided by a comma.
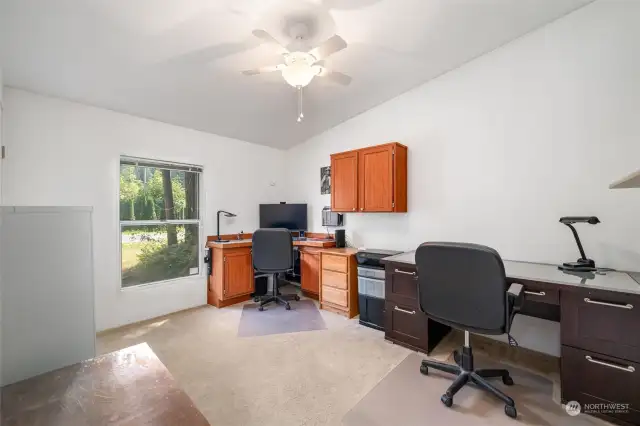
[(304, 378), (408, 398)]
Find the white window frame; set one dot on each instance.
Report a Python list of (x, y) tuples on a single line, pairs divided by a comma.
[(197, 169)]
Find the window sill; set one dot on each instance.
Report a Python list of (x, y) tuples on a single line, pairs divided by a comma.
[(156, 284)]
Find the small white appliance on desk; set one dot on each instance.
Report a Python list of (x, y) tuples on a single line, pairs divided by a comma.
[(371, 286)]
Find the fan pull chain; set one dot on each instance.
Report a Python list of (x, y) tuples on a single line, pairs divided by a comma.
[(300, 113)]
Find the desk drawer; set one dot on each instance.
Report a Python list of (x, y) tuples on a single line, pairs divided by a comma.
[(401, 285), (406, 325), (591, 378), (334, 279), (334, 263), (539, 292), (602, 321), (335, 296)]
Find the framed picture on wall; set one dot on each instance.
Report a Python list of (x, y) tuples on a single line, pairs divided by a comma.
[(325, 180)]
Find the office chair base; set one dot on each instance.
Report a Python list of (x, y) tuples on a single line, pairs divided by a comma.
[(280, 300), (276, 296), (466, 374)]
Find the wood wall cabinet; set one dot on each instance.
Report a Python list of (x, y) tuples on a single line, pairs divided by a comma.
[(372, 179), (310, 272), (344, 178), (231, 280)]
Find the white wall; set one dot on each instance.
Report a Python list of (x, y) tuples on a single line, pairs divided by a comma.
[(63, 153), (1, 162), (502, 147), (1, 121)]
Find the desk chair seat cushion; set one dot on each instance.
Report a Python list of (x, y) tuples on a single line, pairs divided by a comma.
[(463, 285), (272, 250)]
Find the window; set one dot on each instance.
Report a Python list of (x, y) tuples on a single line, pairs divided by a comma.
[(159, 221)]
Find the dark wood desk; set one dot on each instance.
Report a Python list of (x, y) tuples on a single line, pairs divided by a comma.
[(130, 387), (599, 316)]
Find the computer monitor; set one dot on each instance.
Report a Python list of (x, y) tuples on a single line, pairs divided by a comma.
[(290, 216)]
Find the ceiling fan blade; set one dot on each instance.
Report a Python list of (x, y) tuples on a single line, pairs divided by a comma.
[(265, 36), (262, 70), (212, 53), (329, 47), (348, 4), (336, 77)]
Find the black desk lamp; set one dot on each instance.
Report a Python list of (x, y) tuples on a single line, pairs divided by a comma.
[(226, 214), (583, 264)]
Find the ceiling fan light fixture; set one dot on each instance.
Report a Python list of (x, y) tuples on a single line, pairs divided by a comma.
[(298, 74)]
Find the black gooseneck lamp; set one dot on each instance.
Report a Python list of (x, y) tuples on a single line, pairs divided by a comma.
[(583, 264), (226, 214)]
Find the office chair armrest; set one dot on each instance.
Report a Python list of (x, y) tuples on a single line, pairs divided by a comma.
[(259, 275), (515, 298), (515, 290)]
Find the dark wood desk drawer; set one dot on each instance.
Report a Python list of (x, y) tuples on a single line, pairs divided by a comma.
[(540, 292), (591, 378), (602, 321), (406, 325), (401, 285)]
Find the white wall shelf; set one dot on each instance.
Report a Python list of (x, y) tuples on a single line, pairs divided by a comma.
[(630, 181)]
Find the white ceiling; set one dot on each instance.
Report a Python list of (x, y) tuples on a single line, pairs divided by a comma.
[(179, 61)]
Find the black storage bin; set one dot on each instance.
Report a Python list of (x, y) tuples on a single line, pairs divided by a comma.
[(371, 311)]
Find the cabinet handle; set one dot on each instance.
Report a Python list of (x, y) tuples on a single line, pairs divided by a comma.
[(613, 305), (535, 293), (354, 209), (398, 271), (404, 311), (361, 208), (629, 368)]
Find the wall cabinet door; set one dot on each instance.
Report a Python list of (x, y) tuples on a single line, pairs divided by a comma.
[(344, 182), (238, 274), (310, 271), (376, 179)]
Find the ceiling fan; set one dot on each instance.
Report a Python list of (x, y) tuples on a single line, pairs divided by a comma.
[(300, 67)]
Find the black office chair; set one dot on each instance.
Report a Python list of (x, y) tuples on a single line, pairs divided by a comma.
[(273, 254), (464, 286)]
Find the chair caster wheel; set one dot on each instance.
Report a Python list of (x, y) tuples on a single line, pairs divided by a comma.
[(456, 357), (296, 298), (507, 380), (260, 308), (510, 411), (424, 369), (256, 299), (287, 307), (446, 400)]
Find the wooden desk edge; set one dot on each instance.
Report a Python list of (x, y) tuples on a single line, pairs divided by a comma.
[(343, 251), (249, 243)]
